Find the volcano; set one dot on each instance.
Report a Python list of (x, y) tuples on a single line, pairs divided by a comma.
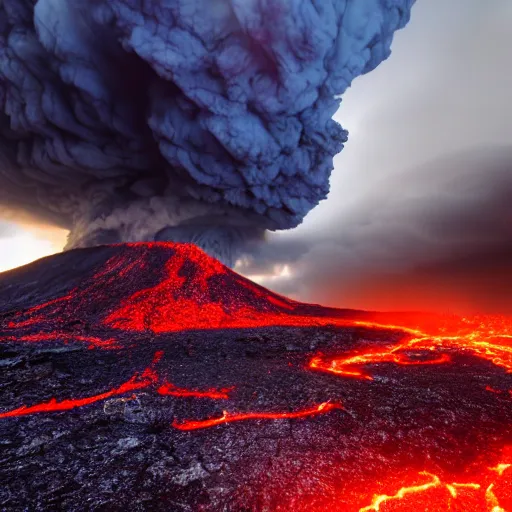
[(149, 376)]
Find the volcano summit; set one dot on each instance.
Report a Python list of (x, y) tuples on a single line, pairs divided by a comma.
[(149, 376)]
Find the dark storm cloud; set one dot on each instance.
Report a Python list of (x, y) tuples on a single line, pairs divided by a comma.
[(125, 119), (418, 215), (439, 236)]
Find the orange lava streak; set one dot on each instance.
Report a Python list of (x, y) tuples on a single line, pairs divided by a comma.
[(93, 341), (147, 378), (484, 489), (500, 468), (215, 394), (228, 417), (34, 309), (483, 342), (492, 501), (415, 489), (330, 366), (436, 483)]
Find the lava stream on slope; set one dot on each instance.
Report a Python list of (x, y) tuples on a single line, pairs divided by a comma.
[(144, 296)]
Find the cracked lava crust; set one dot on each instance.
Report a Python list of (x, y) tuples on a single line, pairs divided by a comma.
[(151, 377)]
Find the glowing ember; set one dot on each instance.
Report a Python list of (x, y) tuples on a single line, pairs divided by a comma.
[(228, 417), (501, 468), (93, 341)]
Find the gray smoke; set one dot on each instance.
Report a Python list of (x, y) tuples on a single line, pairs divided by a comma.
[(207, 120), (436, 237)]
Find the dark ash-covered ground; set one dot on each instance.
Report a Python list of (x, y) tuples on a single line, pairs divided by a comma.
[(124, 452)]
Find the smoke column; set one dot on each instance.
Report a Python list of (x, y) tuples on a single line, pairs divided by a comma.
[(207, 121)]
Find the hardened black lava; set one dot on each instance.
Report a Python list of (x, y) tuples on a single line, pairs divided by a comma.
[(151, 377)]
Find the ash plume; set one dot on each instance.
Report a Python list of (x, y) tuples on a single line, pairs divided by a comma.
[(206, 120), (436, 237)]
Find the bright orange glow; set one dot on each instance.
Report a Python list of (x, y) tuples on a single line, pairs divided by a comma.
[(383, 498), (161, 288), (492, 501), (215, 394), (228, 417), (487, 338), (25, 247), (144, 380), (475, 496), (500, 468)]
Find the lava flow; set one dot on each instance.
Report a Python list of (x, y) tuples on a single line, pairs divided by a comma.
[(215, 394), (189, 290), (150, 377), (228, 417), (490, 491), (92, 341), (424, 396), (480, 340), (138, 381)]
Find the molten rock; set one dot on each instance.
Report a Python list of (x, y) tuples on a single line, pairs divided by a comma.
[(151, 377)]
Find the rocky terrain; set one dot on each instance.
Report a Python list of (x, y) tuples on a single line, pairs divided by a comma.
[(151, 377)]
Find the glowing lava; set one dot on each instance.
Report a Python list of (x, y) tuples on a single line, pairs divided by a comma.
[(150, 289), (188, 290), (229, 417), (198, 292), (149, 377), (215, 394), (139, 381), (481, 340), (431, 493), (92, 341)]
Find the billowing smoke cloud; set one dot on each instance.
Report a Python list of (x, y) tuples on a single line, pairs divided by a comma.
[(437, 237), (205, 120)]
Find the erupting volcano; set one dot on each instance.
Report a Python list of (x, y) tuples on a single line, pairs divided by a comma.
[(149, 376)]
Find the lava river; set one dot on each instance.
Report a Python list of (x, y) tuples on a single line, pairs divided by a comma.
[(287, 405)]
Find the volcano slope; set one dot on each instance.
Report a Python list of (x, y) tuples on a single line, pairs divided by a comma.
[(151, 377)]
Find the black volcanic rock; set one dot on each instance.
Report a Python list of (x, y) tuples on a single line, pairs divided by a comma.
[(113, 391)]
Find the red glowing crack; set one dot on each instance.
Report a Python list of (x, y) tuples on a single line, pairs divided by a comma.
[(148, 378), (481, 341), (229, 417), (93, 341), (138, 381), (433, 492), (215, 394)]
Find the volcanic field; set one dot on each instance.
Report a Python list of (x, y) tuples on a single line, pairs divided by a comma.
[(149, 376)]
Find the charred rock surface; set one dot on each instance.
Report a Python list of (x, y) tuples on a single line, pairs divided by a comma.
[(102, 414)]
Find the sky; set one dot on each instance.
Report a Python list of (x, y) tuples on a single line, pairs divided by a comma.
[(418, 215)]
